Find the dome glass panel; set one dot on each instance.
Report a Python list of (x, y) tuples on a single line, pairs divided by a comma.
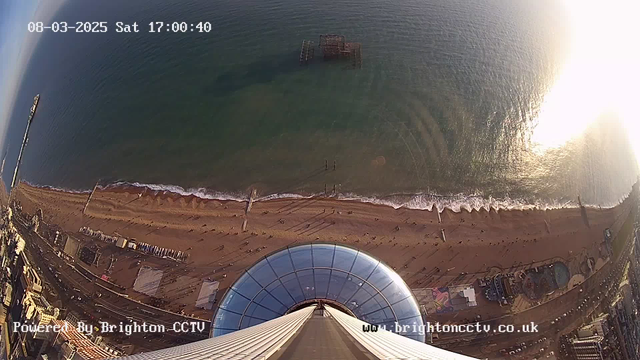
[(281, 281)]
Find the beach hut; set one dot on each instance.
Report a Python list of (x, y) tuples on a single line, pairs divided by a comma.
[(121, 242)]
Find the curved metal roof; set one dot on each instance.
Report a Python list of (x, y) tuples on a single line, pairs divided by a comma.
[(281, 281), (259, 342), (386, 345), (269, 340)]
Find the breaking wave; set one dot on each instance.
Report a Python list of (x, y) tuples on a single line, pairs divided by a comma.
[(48, 187), (456, 203), (202, 193)]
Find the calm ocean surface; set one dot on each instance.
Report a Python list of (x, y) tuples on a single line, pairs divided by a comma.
[(443, 105)]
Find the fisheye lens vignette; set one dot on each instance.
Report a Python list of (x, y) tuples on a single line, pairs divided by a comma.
[(420, 180)]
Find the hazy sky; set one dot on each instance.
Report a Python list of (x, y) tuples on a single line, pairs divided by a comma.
[(16, 47)]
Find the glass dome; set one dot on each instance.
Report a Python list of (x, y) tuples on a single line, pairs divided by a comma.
[(369, 289)]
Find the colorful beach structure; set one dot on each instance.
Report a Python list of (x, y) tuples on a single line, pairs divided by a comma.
[(534, 283), (334, 47)]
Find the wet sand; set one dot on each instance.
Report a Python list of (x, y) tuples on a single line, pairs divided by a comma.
[(478, 243)]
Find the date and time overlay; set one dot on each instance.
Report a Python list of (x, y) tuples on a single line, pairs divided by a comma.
[(120, 27)]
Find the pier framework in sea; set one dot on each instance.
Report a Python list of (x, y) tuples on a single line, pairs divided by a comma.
[(333, 46), (32, 112)]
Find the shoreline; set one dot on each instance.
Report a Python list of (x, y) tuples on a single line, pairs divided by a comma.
[(419, 201)]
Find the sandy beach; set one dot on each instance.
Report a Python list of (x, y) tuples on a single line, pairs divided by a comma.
[(477, 243)]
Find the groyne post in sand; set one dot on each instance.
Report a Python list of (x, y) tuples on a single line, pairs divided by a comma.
[(252, 197), (439, 217), (547, 226), (326, 164), (86, 205), (583, 213), (442, 235), (334, 165)]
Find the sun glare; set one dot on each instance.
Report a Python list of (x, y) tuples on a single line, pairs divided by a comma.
[(601, 75)]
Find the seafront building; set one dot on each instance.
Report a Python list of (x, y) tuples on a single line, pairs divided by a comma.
[(614, 335), (71, 344), (611, 336), (588, 347), (24, 302)]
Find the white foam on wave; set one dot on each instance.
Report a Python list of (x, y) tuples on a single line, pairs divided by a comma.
[(202, 193), (49, 187), (285, 196), (457, 202), (423, 201)]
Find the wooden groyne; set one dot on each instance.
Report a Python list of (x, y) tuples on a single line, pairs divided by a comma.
[(86, 205), (250, 200)]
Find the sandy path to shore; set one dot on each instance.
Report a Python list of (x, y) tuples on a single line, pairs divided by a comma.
[(477, 242)]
